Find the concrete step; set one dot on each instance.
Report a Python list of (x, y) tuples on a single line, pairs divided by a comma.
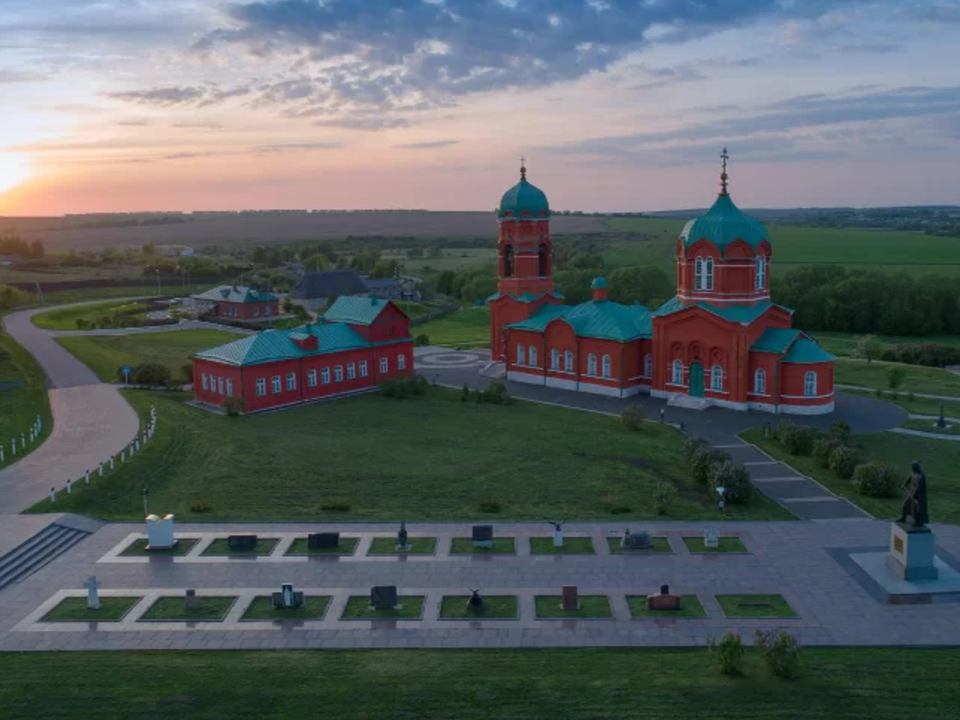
[(690, 403), (37, 551)]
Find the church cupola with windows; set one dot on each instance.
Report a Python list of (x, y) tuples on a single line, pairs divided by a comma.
[(723, 256)]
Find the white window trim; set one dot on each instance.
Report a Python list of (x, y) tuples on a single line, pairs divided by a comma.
[(384, 365), (291, 382), (261, 387), (813, 386), (205, 381), (648, 365), (606, 367), (312, 377), (363, 368), (401, 362), (568, 363), (555, 360), (592, 365), (325, 376), (714, 386), (761, 276), (673, 373), (276, 384), (759, 381), (351, 372), (521, 355), (338, 373)]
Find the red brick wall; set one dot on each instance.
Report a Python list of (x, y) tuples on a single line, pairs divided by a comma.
[(504, 311), (214, 372), (792, 383), (734, 272), (246, 311), (391, 324)]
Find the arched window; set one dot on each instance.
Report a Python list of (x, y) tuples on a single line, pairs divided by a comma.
[(554, 359), (716, 378), (677, 373), (591, 364), (760, 381), (708, 274), (810, 383), (508, 261), (543, 261), (761, 273), (606, 366), (520, 356), (648, 365), (698, 274), (533, 356), (568, 361)]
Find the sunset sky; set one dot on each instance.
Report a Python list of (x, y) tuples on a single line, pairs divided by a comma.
[(122, 105)]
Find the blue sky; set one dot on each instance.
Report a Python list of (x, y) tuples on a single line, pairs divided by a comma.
[(187, 104)]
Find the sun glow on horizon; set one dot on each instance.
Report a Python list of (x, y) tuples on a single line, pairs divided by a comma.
[(14, 170)]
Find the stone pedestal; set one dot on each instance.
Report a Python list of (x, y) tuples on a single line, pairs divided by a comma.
[(160, 532), (912, 551)]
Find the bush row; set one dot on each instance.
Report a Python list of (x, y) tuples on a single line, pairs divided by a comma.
[(713, 467)]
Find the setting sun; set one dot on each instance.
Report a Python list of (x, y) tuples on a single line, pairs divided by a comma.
[(14, 169)]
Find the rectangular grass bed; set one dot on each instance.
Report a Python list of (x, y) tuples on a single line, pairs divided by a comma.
[(358, 608), (591, 606), (74, 609), (415, 546), (571, 546), (314, 608), (347, 547), (220, 547), (690, 607), (657, 545), (495, 607), (501, 546), (212, 609), (724, 545), (138, 548), (755, 606)]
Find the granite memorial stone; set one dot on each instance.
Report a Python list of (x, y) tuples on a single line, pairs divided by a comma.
[(383, 597)]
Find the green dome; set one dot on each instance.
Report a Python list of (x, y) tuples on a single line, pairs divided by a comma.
[(722, 224), (599, 283), (524, 200)]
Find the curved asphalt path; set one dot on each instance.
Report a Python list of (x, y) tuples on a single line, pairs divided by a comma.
[(91, 420)]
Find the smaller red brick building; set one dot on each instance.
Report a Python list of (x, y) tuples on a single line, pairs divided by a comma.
[(237, 302), (359, 343)]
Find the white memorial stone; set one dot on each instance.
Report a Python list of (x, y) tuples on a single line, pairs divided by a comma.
[(69, 485), (711, 538), (160, 532), (111, 462), (13, 446), (86, 477), (100, 469), (53, 494), (93, 598), (23, 441)]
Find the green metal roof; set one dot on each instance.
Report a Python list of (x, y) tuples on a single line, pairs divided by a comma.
[(595, 319), (722, 224), (273, 345), (235, 294), (526, 297), (355, 310), (805, 350), (775, 340), (743, 314), (599, 283), (524, 200)]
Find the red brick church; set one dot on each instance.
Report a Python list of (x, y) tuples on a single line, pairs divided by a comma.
[(720, 341)]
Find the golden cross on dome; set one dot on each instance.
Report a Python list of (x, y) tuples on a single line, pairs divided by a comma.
[(724, 156)]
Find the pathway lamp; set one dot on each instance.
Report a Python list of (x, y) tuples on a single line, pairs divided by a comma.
[(720, 491)]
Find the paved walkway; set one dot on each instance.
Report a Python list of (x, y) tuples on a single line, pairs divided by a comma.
[(798, 493), (807, 563), (951, 398)]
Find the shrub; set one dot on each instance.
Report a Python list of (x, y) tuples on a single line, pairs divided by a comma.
[(840, 430), (495, 393), (489, 506), (735, 479), (618, 509), (465, 393), (875, 479), (186, 372), (895, 377), (703, 461), (335, 505), (823, 448), (780, 650), (728, 652), (868, 347), (843, 461), (201, 506), (691, 446), (663, 494), (401, 388), (150, 374), (797, 439), (632, 417), (233, 406), (421, 340)]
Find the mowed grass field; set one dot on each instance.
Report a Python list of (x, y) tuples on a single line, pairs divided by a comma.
[(917, 378), (631, 684), (104, 354), (19, 406), (66, 318), (843, 343), (467, 326), (427, 458)]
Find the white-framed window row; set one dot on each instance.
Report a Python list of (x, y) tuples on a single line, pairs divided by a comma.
[(261, 387), (703, 273), (384, 365), (810, 383), (716, 378), (677, 373), (607, 366), (312, 377)]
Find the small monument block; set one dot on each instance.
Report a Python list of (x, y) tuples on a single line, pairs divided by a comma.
[(912, 550), (383, 597), (317, 541), (482, 536), (242, 542), (570, 598), (160, 534)]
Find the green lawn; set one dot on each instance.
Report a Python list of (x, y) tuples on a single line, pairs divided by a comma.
[(221, 547), (19, 406), (74, 609), (211, 609), (940, 459), (843, 343), (918, 406), (724, 545), (501, 546), (690, 607), (575, 684), (105, 354), (658, 545), (314, 608), (467, 326), (416, 459), (495, 607), (138, 548), (66, 318), (571, 546), (918, 379), (755, 606), (930, 426), (301, 546), (415, 546), (410, 607), (591, 606)]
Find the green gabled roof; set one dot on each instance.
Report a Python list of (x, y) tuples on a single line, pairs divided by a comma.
[(743, 314), (524, 201), (236, 294), (595, 319), (805, 350), (274, 345), (355, 310), (775, 340), (722, 224), (526, 297)]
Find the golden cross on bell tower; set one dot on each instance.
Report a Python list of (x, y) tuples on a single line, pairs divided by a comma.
[(724, 156), (523, 168)]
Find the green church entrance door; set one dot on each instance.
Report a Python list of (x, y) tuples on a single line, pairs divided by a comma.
[(696, 380)]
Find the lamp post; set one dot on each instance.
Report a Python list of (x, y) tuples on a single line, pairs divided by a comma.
[(158, 281), (720, 491)]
